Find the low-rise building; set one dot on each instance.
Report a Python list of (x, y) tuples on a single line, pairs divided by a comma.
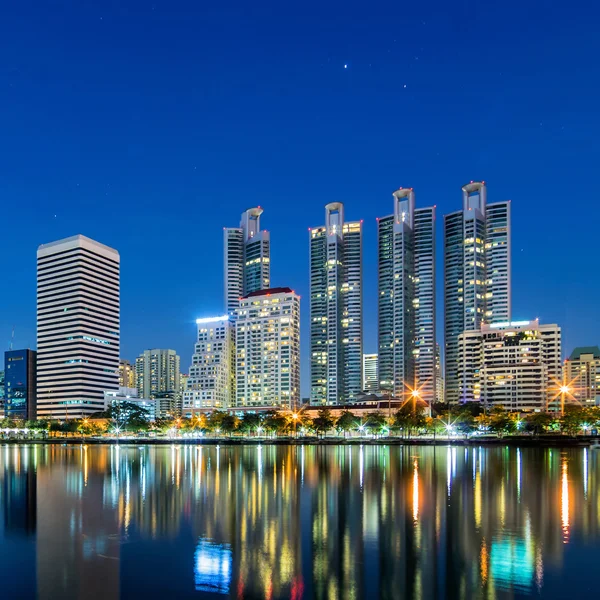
[(581, 374), (211, 381), (515, 364), (126, 394)]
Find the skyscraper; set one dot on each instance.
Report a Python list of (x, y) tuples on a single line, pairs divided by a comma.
[(336, 338), (406, 246), (211, 381), (157, 374), (78, 311), (20, 384), (247, 259), (477, 273), (268, 349), (370, 373), (126, 374)]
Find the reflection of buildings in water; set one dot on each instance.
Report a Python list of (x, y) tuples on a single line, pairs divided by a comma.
[(291, 522), (19, 491), (212, 567), (77, 536), (18, 525)]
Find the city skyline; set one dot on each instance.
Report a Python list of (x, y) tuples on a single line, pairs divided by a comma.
[(176, 138), (439, 267)]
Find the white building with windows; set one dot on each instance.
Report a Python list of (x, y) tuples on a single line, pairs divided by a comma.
[(78, 312), (268, 349), (211, 380), (516, 365)]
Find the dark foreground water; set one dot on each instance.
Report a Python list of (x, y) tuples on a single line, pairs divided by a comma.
[(298, 522)]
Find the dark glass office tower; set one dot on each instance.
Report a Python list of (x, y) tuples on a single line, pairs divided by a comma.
[(20, 368)]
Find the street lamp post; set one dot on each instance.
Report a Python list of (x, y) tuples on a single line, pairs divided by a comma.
[(295, 417)]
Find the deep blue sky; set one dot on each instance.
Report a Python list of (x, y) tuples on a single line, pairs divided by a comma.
[(150, 126)]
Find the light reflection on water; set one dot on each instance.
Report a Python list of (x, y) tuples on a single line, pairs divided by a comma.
[(297, 522)]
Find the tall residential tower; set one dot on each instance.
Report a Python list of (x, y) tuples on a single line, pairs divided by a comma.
[(77, 326), (406, 246), (247, 259), (336, 338), (476, 273)]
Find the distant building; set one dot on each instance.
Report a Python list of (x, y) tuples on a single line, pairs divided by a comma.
[(407, 298), (127, 394), (516, 365), (127, 375), (370, 373), (477, 273), (78, 313), (247, 259), (211, 382), (268, 349), (582, 374), (20, 368), (439, 376), (336, 311), (157, 373), (1, 393)]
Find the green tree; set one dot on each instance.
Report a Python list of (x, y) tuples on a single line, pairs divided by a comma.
[(539, 422), (250, 422), (346, 422), (222, 422), (376, 421), (323, 422), (276, 422)]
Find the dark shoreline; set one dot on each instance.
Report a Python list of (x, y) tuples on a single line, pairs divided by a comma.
[(523, 442)]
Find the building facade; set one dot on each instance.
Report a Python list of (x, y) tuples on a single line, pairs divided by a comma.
[(127, 375), (406, 299), (477, 273), (268, 349), (157, 375), (78, 318), (370, 373), (20, 368), (516, 365), (581, 373), (247, 259), (211, 381), (336, 337)]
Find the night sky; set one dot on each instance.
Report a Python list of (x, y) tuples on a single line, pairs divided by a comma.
[(150, 127)]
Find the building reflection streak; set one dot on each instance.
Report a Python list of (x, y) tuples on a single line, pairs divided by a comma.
[(585, 473), (415, 490), (564, 500)]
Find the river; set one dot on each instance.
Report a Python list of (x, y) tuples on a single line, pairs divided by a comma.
[(298, 522)]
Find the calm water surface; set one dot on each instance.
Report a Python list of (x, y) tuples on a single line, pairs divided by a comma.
[(298, 522)]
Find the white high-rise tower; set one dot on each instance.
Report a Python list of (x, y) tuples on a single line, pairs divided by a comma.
[(78, 306), (247, 259), (407, 298), (336, 338), (477, 273)]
